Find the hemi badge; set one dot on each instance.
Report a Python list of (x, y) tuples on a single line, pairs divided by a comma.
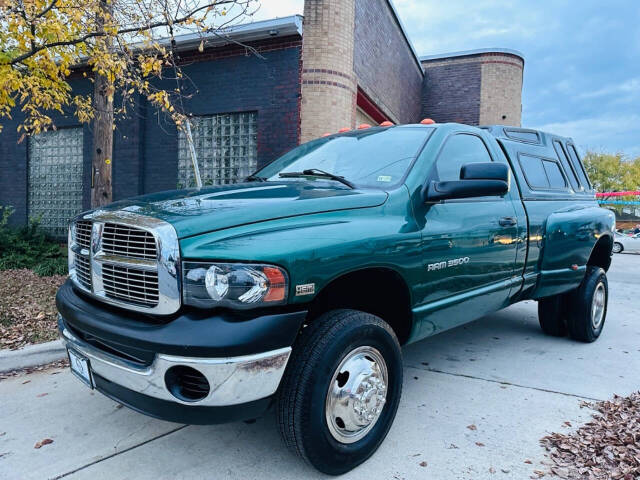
[(306, 289)]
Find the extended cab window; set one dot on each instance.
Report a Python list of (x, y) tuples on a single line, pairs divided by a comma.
[(459, 150), (375, 157), (576, 161), (573, 177), (541, 173)]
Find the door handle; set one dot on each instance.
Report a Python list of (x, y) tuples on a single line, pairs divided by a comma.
[(508, 222)]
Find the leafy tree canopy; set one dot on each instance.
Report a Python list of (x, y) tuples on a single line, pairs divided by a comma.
[(44, 42), (612, 172)]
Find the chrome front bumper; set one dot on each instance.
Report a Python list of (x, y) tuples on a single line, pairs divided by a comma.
[(233, 380)]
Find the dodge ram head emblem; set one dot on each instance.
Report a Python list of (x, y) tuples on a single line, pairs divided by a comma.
[(306, 289)]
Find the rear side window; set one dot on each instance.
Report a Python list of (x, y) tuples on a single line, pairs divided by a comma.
[(556, 179), (534, 171), (459, 150), (542, 174), (568, 166), (579, 167)]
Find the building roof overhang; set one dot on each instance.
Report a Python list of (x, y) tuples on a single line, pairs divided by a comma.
[(465, 53)]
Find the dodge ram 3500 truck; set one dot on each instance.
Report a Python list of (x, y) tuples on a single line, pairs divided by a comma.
[(296, 289)]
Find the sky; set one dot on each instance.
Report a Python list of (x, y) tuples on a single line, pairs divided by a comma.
[(582, 57)]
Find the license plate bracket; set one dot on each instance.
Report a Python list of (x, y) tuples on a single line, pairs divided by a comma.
[(80, 367)]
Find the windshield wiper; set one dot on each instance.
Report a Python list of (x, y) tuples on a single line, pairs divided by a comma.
[(255, 178), (316, 172)]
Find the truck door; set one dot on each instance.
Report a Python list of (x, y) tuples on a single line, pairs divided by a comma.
[(469, 245)]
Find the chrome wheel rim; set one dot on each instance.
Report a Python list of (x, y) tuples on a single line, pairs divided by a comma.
[(357, 394), (597, 306)]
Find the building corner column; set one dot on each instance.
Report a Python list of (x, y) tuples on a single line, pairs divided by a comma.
[(329, 87)]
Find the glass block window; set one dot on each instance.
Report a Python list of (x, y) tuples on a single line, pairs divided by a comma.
[(55, 179), (226, 147)]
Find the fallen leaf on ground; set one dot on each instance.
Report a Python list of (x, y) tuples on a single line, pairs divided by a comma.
[(41, 443), (472, 427), (606, 448), (27, 308), (423, 464)]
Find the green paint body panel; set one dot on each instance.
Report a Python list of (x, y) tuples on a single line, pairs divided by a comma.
[(321, 230)]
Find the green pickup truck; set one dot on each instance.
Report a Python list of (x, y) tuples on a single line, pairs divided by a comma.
[(296, 289)]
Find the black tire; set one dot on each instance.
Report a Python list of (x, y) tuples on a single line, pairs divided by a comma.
[(582, 326), (318, 352), (617, 247), (552, 315)]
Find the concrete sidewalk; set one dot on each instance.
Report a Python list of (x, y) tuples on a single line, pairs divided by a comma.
[(500, 374)]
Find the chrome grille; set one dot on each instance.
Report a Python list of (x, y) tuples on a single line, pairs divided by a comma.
[(83, 233), (128, 242), (127, 259), (83, 271), (130, 284)]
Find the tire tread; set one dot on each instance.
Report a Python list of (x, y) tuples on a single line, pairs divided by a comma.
[(306, 352)]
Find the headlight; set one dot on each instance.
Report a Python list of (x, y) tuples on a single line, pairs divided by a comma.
[(235, 285)]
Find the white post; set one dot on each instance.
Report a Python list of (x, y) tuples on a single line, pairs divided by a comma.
[(194, 158)]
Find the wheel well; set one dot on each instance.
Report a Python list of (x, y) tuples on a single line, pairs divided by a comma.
[(601, 253), (379, 291)]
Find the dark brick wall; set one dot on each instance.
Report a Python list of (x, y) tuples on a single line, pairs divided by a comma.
[(145, 155), (384, 63), (224, 83), (14, 158), (128, 152), (451, 90)]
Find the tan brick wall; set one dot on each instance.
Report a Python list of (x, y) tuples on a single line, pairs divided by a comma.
[(501, 89), (329, 88)]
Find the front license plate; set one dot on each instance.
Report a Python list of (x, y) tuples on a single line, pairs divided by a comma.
[(80, 367)]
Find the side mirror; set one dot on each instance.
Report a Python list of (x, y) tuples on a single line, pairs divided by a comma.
[(476, 180)]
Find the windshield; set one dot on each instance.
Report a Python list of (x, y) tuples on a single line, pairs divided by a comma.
[(375, 157)]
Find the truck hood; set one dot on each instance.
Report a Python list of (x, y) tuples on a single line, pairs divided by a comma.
[(197, 211)]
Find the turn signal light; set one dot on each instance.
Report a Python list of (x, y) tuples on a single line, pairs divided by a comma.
[(277, 285)]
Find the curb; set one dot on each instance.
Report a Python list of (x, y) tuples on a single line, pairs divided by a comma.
[(32, 356)]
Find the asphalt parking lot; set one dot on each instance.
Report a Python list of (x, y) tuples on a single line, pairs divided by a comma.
[(500, 376)]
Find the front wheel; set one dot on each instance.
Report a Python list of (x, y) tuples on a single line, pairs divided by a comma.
[(341, 390), (617, 247)]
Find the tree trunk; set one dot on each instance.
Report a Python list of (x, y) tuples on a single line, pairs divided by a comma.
[(101, 187)]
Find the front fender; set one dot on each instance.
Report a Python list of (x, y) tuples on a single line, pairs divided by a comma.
[(315, 249)]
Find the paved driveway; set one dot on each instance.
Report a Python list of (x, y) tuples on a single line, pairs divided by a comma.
[(499, 374)]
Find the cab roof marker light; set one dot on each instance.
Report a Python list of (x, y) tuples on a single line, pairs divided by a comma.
[(427, 121), (386, 123), (344, 129), (363, 126)]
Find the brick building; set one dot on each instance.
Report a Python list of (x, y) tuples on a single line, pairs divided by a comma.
[(343, 63)]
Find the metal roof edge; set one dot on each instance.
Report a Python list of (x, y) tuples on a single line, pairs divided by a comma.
[(290, 25), (477, 51)]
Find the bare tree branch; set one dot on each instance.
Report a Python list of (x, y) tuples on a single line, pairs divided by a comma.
[(96, 34)]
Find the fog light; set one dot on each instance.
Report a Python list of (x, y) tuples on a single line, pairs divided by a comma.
[(186, 383)]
